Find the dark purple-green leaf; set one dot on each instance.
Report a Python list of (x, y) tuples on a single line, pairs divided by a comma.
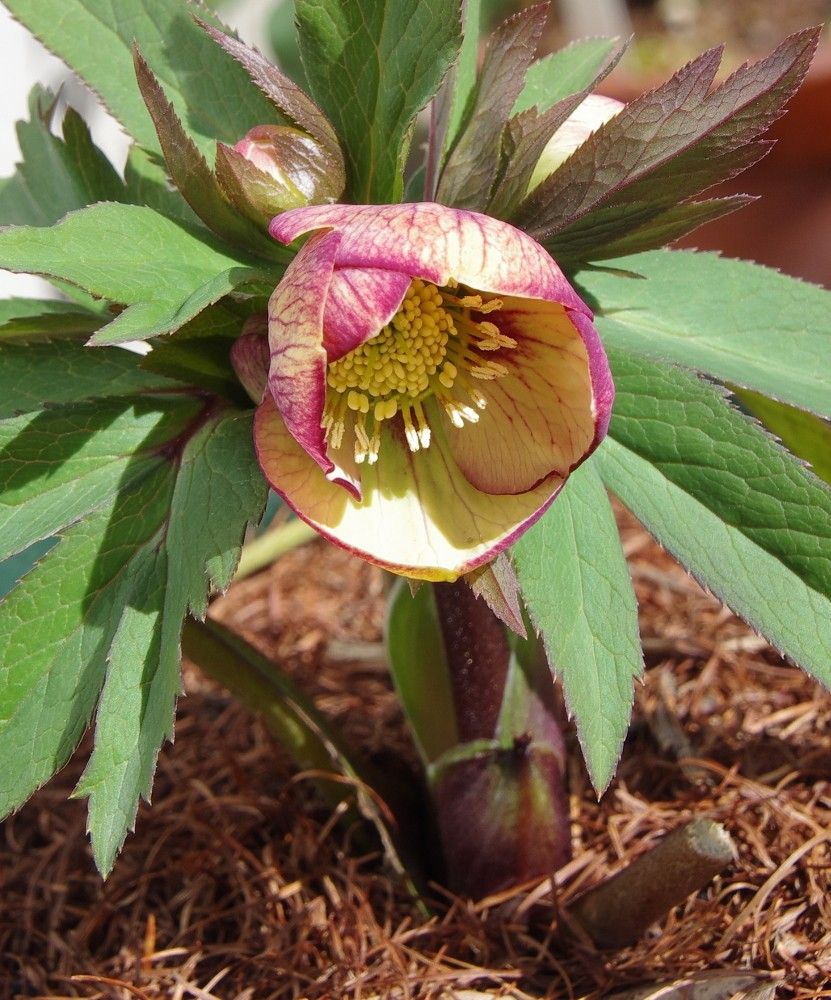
[(666, 147), (471, 168), (192, 175)]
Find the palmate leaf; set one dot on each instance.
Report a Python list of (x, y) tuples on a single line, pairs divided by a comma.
[(740, 322), (741, 513), (209, 90), (164, 272), (372, 65), (664, 148), (473, 161), (56, 175), (150, 494), (577, 590)]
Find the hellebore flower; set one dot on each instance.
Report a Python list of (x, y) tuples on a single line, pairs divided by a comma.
[(433, 379), (586, 118)]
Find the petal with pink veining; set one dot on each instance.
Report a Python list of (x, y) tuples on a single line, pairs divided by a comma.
[(361, 301), (419, 516), (543, 416), (297, 373), (436, 243)]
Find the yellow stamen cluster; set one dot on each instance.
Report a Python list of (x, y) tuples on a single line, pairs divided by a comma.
[(427, 350)]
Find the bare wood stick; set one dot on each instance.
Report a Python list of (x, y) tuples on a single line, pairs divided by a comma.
[(617, 912)]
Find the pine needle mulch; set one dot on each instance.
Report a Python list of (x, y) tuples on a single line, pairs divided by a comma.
[(240, 885)]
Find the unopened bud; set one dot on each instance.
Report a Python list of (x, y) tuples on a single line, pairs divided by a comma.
[(275, 168), (594, 111)]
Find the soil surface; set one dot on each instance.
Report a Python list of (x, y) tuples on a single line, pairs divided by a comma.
[(239, 884)]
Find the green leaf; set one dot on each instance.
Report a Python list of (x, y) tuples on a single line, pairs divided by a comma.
[(740, 322), (129, 254), (741, 513), (33, 378), (472, 164), (33, 320), (372, 65), (563, 73), (57, 628), (56, 175), (216, 493), (807, 436), (110, 598), (418, 665), (579, 596), (95, 38), (667, 146), (58, 465)]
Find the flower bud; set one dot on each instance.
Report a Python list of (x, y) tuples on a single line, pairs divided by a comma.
[(274, 168), (594, 111)]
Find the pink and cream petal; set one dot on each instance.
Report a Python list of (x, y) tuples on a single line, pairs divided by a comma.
[(361, 301), (297, 371), (419, 516), (436, 243), (541, 417), (603, 386)]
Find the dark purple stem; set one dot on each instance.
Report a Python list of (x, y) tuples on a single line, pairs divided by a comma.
[(499, 795)]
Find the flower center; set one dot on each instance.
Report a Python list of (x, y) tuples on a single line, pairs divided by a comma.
[(432, 347)]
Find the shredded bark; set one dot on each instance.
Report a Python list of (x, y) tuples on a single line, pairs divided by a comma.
[(239, 884)]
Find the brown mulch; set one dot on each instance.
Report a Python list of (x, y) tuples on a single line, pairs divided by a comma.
[(239, 884)]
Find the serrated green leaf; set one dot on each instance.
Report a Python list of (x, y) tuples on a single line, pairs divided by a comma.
[(740, 322), (472, 164), (578, 593), (56, 175), (741, 513), (34, 320), (419, 670), (215, 495), (218, 490), (165, 272), (807, 436), (58, 465), (56, 630), (35, 377), (564, 72), (372, 65), (95, 38), (111, 597)]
